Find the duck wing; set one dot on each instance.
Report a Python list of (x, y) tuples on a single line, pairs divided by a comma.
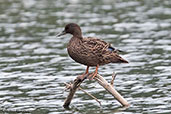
[(102, 51)]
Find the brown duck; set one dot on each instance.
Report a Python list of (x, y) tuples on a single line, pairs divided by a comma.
[(90, 51)]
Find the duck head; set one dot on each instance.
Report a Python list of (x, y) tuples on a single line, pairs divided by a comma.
[(73, 29)]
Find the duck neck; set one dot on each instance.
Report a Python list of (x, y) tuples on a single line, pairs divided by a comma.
[(78, 35)]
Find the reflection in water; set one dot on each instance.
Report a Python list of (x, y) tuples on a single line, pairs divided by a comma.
[(34, 63)]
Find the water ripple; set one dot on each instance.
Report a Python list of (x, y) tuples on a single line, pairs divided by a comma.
[(34, 64)]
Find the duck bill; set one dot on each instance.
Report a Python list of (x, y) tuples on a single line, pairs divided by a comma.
[(61, 34)]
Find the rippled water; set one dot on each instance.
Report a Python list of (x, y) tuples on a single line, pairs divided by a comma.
[(34, 64)]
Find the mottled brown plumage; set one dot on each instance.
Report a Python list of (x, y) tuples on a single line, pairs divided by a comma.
[(90, 51)]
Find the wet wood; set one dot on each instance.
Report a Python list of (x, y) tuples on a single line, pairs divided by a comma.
[(73, 87)]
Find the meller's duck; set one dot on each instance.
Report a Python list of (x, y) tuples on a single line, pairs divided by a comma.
[(90, 51)]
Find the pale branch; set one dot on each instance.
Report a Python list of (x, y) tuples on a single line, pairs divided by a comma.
[(111, 90)]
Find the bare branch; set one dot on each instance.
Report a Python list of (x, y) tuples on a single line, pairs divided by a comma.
[(111, 90), (109, 87)]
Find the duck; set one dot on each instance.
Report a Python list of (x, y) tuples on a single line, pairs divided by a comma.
[(90, 51)]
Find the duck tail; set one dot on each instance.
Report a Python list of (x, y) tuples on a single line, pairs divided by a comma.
[(124, 61), (118, 59)]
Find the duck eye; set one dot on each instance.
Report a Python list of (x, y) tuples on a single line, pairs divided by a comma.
[(67, 28)]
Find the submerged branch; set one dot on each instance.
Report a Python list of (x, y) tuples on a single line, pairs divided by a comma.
[(73, 87)]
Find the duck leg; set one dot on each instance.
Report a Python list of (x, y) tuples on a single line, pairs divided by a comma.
[(91, 77), (83, 75), (86, 70)]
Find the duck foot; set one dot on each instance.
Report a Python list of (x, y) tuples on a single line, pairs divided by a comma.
[(84, 75), (92, 75)]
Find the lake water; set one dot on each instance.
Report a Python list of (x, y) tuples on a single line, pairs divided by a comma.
[(34, 64)]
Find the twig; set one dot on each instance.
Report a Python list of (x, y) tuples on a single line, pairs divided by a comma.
[(113, 78), (90, 95), (68, 86)]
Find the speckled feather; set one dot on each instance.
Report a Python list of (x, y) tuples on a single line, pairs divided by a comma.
[(92, 51)]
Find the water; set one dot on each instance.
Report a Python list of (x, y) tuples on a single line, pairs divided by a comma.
[(34, 64)]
